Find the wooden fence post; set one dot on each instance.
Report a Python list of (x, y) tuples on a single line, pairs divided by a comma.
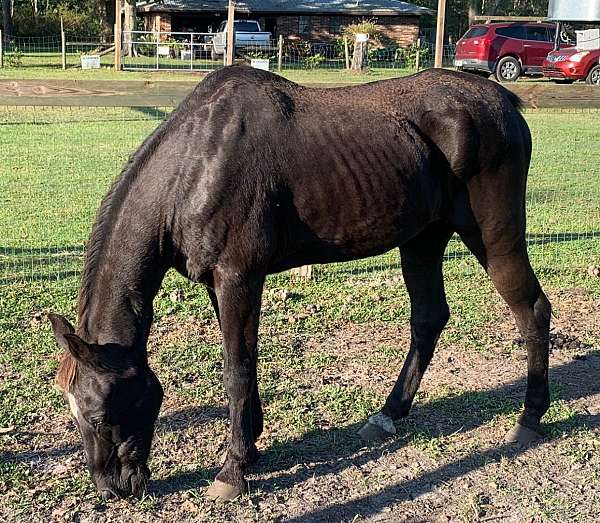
[(118, 35), (230, 32), (63, 44), (439, 35), (347, 53), (1, 49), (418, 57), (280, 53), (302, 273)]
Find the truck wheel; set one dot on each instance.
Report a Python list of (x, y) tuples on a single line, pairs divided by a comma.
[(508, 69), (594, 77)]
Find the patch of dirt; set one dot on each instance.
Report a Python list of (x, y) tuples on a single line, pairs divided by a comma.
[(448, 462)]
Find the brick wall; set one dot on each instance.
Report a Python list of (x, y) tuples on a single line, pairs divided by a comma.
[(403, 29)]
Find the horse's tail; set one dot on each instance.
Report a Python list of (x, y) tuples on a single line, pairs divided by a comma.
[(515, 100)]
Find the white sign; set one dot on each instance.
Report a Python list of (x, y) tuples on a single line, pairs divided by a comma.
[(362, 37), (260, 63), (90, 61), (186, 54), (589, 39)]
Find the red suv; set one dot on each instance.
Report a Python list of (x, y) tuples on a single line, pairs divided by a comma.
[(570, 64), (507, 50)]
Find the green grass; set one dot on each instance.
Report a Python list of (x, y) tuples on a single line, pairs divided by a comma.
[(56, 164)]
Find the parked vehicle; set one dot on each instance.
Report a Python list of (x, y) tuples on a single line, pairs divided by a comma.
[(247, 34), (574, 63), (507, 50)]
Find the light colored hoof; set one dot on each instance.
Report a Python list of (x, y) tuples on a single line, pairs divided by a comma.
[(378, 428), (523, 435), (221, 491)]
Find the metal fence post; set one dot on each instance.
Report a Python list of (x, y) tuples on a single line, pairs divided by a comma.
[(346, 53), (280, 53), (1, 49), (63, 44), (157, 46), (192, 52), (418, 57)]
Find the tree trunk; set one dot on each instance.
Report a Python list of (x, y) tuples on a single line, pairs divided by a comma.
[(360, 58), (129, 25), (7, 22), (106, 12)]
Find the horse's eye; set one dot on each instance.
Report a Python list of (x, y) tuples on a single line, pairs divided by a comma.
[(103, 428)]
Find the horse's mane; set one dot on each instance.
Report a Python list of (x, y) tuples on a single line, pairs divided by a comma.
[(105, 218)]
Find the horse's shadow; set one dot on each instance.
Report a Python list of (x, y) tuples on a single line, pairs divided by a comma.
[(333, 450)]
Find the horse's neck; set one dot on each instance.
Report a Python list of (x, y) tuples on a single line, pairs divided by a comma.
[(121, 279)]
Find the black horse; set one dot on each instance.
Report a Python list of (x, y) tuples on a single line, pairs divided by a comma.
[(253, 174)]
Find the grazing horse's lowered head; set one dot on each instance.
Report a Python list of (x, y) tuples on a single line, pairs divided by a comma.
[(115, 399)]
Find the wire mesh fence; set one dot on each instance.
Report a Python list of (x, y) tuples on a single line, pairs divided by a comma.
[(185, 51), (199, 52), (56, 163), (24, 52)]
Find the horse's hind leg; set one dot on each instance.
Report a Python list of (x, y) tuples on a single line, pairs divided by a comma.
[(422, 270), (238, 300), (513, 277)]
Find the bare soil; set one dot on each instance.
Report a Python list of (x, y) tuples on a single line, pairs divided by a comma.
[(448, 462)]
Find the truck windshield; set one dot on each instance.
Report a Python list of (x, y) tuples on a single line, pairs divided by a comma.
[(246, 26)]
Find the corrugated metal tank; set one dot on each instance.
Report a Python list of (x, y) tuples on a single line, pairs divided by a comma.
[(574, 10)]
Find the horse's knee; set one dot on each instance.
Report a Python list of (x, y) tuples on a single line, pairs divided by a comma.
[(430, 322)]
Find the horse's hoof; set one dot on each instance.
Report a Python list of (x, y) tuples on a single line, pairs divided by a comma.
[(221, 491), (523, 435), (378, 428)]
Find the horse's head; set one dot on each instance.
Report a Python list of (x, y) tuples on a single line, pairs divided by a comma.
[(114, 398)]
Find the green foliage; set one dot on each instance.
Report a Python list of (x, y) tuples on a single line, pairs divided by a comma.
[(14, 58), (314, 61), (76, 21), (408, 55)]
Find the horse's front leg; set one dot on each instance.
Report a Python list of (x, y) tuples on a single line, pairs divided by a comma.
[(239, 300)]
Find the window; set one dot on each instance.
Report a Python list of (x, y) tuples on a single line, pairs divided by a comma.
[(303, 24), (246, 26), (539, 34), (513, 31), (335, 25), (476, 32)]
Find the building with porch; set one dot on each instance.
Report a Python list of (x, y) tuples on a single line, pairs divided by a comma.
[(307, 20)]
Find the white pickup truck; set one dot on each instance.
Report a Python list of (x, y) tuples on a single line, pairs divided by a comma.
[(247, 35)]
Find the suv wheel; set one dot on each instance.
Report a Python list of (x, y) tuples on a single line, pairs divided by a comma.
[(508, 69), (594, 77)]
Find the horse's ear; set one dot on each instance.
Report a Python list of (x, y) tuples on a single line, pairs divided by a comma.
[(61, 327), (80, 350)]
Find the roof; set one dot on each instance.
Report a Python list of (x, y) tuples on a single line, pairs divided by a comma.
[(340, 7)]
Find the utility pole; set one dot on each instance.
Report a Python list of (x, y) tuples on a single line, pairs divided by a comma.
[(230, 32), (439, 35)]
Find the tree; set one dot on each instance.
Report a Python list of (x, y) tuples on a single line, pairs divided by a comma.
[(7, 22), (129, 25)]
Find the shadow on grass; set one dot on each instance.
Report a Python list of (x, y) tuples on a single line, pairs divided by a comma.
[(333, 450)]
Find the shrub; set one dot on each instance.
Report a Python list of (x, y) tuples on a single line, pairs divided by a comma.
[(14, 58), (314, 61)]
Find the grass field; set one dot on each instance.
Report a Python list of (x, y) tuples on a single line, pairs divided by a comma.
[(329, 353)]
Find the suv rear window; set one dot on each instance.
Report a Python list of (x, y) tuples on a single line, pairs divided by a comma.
[(476, 32), (513, 31)]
